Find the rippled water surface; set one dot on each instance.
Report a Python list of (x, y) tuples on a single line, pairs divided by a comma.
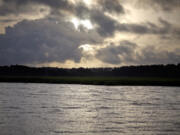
[(52, 109)]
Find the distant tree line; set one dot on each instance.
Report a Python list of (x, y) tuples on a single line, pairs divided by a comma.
[(170, 70)]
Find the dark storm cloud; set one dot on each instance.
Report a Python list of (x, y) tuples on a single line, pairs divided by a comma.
[(117, 54), (149, 28), (12, 8), (152, 55), (106, 25), (134, 28), (126, 52), (112, 6), (21, 6), (82, 11), (42, 41), (49, 39)]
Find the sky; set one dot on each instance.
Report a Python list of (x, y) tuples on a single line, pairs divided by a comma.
[(89, 33)]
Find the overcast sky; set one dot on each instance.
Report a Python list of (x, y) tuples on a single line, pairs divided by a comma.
[(89, 33)]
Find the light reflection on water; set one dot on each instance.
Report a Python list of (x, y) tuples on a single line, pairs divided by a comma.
[(52, 109)]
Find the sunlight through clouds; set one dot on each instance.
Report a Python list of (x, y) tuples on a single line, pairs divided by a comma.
[(87, 49), (99, 32), (88, 2), (86, 23)]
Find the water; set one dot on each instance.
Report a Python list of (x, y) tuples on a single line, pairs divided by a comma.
[(52, 109)]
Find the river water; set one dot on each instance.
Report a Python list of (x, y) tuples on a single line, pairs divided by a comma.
[(56, 109)]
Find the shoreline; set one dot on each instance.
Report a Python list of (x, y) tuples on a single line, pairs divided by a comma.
[(109, 81)]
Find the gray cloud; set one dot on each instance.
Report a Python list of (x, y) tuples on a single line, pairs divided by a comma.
[(152, 55), (165, 5), (106, 25), (117, 54), (112, 6), (54, 39), (21, 6), (82, 11), (41, 41), (148, 28), (126, 53)]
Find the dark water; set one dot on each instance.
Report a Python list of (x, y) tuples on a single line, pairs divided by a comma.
[(50, 109)]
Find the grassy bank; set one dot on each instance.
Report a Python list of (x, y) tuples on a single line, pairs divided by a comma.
[(96, 80)]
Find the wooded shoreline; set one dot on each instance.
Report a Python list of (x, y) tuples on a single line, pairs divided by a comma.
[(129, 81), (147, 75)]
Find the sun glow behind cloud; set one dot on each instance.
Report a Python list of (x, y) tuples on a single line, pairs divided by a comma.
[(86, 23), (88, 3), (73, 33), (88, 49)]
